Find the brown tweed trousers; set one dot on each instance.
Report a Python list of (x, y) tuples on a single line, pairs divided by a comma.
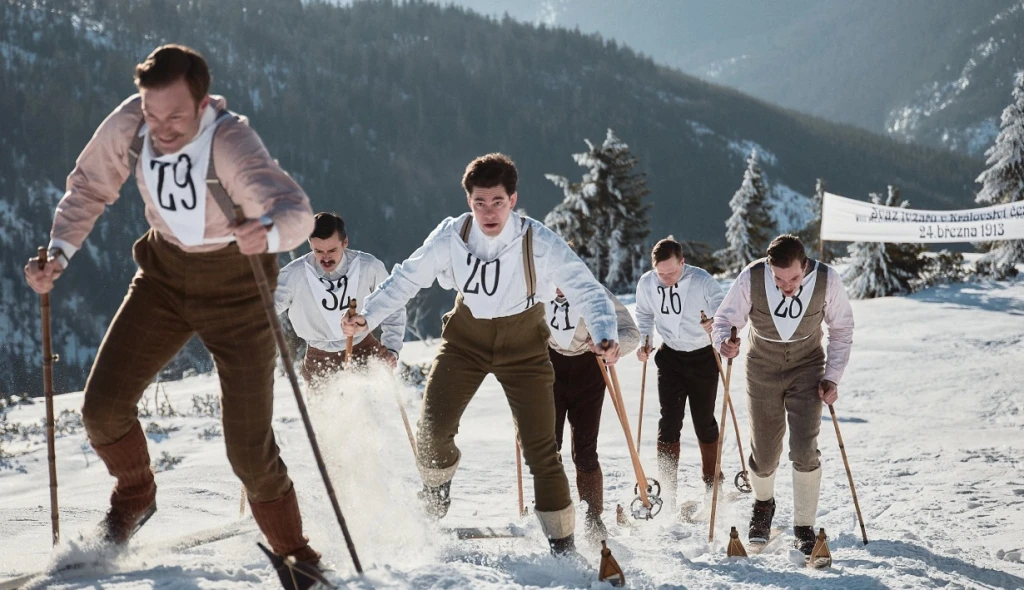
[(174, 295)]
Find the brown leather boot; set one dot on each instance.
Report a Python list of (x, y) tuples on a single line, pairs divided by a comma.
[(591, 487), (133, 500), (281, 524), (708, 458), (668, 473)]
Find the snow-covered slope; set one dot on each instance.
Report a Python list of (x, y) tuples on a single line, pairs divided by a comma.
[(931, 411)]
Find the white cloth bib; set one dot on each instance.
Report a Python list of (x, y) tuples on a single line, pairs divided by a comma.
[(483, 283), (177, 183), (332, 295), (787, 312), (668, 305), (562, 321)]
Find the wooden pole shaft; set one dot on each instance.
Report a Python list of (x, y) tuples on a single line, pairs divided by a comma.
[(643, 388), (519, 477), (849, 475), (620, 409), (721, 439), (48, 358), (732, 408)]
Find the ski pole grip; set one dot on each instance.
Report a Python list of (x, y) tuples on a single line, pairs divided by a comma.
[(604, 344), (42, 257), (732, 334), (351, 307)]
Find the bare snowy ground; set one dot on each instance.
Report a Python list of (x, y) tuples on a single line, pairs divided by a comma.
[(931, 411)]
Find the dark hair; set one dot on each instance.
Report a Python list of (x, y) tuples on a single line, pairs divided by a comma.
[(326, 225), (490, 171), (168, 63), (665, 249), (786, 249)]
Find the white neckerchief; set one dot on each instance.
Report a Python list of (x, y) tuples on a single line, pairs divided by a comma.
[(177, 182), (483, 268), (332, 295), (787, 312), (562, 321)]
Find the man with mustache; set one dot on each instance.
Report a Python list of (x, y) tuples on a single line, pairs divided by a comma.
[(315, 290), (786, 297), (194, 162), (503, 266)]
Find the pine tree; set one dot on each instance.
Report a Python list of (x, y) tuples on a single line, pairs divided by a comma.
[(1003, 182), (810, 235), (750, 228), (604, 214), (879, 269)]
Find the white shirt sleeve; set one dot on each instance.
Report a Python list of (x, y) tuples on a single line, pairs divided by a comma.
[(559, 265), (714, 295), (417, 272), (644, 313), (838, 316), (733, 310), (392, 327), (284, 294)]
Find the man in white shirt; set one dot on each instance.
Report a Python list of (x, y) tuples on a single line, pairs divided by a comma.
[(669, 298), (502, 265), (315, 290), (786, 297)]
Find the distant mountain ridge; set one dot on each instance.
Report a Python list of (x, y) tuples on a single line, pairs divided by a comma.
[(376, 108)]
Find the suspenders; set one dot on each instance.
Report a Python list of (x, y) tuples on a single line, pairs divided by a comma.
[(213, 185), (529, 270)]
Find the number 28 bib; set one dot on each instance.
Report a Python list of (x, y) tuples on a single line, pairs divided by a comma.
[(787, 312)]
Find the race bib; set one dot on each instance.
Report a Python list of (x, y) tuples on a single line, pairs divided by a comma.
[(332, 295), (483, 283), (177, 185), (787, 312), (562, 321)]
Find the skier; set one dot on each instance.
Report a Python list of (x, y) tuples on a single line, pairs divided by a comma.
[(786, 297), (503, 265), (315, 290), (579, 394), (669, 298), (192, 160)]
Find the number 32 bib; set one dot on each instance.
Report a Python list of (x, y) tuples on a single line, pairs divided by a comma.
[(332, 295)]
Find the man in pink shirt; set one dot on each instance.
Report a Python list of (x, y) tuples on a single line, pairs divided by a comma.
[(194, 163), (786, 297)]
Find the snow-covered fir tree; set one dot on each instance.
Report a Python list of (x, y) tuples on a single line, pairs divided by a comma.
[(880, 269), (810, 235), (1003, 182), (749, 229), (604, 214)]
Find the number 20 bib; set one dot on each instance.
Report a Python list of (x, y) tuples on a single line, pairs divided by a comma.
[(787, 312), (482, 283), (332, 295)]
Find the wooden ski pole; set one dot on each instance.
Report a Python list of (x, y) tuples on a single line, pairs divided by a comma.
[(48, 359), (721, 439), (349, 341), (615, 393), (849, 474), (732, 410), (286, 359), (405, 420), (643, 386), (519, 476)]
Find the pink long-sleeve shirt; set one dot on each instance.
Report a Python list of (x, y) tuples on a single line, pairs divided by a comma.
[(251, 177)]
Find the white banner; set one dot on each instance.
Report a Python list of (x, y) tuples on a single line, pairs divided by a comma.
[(847, 220)]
